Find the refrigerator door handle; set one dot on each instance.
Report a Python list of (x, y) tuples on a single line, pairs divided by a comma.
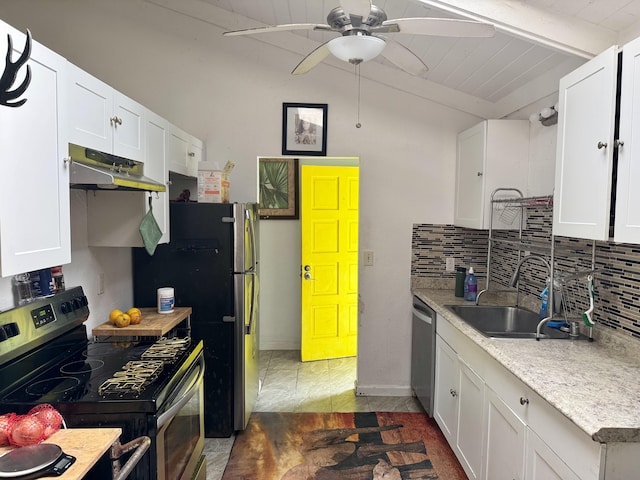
[(229, 319)]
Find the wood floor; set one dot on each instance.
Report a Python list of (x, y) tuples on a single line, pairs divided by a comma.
[(288, 385)]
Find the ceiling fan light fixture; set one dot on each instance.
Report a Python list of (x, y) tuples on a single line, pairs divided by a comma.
[(356, 48)]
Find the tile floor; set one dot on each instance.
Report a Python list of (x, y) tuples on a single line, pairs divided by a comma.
[(288, 385)]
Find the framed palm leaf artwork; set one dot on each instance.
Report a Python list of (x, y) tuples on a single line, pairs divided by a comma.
[(278, 182)]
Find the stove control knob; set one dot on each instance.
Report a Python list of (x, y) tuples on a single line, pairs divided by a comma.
[(65, 307), (3, 335), (11, 329), (76, 304), (83, 301)]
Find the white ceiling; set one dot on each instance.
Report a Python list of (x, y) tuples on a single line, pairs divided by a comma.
[(537, 42)]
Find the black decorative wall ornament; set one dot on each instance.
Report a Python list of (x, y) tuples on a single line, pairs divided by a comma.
[(9, 97)]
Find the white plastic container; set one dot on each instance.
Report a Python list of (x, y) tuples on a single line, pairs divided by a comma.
[(166, 300)]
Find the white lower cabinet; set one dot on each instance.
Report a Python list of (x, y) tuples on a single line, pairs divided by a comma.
[(458, 407), (500, 429), (505, 440), (543, 463)]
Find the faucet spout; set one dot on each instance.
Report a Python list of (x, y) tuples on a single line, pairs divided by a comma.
[(516, 273)]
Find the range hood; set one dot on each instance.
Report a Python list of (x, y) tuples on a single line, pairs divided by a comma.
[(95, 170)]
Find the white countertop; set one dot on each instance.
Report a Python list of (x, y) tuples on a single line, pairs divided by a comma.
[(597, 388)]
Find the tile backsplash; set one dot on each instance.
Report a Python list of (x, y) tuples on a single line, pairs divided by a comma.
[(617, 267)]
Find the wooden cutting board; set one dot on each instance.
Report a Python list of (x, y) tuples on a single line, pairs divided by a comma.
[(153, 324), (86, 444)]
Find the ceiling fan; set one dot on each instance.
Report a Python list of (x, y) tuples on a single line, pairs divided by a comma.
[(358, 20)]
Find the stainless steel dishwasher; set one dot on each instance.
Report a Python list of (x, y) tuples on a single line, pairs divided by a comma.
[(423, 353)]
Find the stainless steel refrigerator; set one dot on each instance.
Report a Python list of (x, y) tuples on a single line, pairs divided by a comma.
[(212, 263)]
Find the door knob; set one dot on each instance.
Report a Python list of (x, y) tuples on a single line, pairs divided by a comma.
[(307, 268), (307, 276)]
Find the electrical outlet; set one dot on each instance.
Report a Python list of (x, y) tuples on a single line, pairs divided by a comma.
[(368, 258), (100, 284), (450, 264)]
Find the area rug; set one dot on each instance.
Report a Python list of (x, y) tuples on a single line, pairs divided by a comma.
[(341, 446)]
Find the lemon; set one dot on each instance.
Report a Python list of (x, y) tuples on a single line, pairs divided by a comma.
[(114, 314), (123, 320), (135, 314)]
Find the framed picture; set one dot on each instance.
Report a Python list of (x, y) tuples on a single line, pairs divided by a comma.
[(278, 182), (304, 129)]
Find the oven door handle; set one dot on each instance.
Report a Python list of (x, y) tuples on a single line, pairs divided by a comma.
[(167, 416)]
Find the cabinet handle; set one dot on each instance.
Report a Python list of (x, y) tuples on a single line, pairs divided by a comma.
[(115, 121), (479, 174), (524, 401), (602, 145), (191, 154), (619, 143), (453, 393)]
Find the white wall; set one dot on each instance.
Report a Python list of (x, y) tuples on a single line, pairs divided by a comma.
[(229, 92)]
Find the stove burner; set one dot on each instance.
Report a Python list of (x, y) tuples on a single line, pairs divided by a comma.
[(133, 378), (55, 385), (81, 366)]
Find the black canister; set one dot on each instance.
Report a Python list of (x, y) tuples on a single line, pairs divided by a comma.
[(461, 274)]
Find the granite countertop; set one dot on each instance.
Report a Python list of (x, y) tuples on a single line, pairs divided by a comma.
[(594, 385)]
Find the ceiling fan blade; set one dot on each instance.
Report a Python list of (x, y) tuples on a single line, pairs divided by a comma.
[(443, 27), (280, 28), (356, 8), (311, 60), (404, 59)]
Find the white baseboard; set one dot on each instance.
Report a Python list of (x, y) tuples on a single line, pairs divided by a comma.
[(384, 391), (279, 343)]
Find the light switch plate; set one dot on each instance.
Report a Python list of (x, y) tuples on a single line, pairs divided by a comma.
[(368, 258)]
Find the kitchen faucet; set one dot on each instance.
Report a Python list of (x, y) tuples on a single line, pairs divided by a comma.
[(515, 278)]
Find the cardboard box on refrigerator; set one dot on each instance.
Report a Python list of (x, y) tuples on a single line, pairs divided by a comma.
[(213, 183)]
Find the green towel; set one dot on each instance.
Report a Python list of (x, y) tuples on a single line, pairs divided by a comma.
[(150, 231)]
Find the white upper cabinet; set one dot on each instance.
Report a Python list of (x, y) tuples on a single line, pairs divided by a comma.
[(593, 167), (492, 154), (586, 122), (627, 211), (185, 152), (104, 119), (114, 217), (34, 198)]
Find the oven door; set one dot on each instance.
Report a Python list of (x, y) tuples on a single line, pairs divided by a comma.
[(180, 427)]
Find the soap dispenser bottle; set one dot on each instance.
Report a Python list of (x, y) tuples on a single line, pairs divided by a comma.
[(470, 286)]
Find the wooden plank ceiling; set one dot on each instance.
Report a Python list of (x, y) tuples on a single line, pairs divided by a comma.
[(537, 41)]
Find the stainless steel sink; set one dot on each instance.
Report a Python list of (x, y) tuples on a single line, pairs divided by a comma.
[(504, 322)]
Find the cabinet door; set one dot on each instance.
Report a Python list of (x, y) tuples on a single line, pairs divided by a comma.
[(543, 463), (92, 102), (470, 158), (128, 126), (470, 421), (585, 146), (493, 154), (34, 198), (627, 218), (178, 151), (447, 387), (505, 441), (194, 156)]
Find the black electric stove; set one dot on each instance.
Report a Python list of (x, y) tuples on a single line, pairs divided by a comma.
[(46, 357)]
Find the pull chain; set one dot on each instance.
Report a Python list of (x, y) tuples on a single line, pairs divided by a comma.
[(357, 73)]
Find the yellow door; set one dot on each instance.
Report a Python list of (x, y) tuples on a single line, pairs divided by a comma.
[(329, 223)]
